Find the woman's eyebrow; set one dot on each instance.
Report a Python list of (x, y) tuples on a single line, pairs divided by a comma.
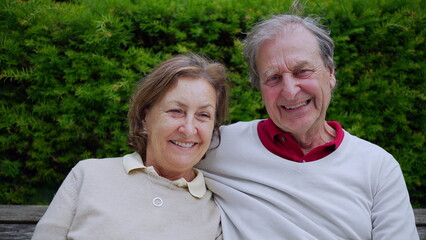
[(182, 104)]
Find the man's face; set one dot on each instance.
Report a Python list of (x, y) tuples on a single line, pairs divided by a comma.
[(295, 85)]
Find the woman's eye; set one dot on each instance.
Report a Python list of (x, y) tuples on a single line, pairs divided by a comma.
[(175, 111), (204, 115)]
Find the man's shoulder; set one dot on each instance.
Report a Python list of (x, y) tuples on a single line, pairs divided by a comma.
[(363, 146), (237, 133), (241, 125)]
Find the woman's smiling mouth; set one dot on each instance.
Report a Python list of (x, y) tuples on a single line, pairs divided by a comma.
[(182, 144)]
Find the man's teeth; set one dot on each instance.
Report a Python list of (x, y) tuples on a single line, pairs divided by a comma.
[(297, 106), (182, 144)]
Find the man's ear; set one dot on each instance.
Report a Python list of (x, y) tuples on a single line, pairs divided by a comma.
[(332, 79)]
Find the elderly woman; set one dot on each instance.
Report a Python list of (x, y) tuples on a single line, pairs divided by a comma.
[(153, 193)]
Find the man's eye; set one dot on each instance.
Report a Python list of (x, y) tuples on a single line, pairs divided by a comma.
[(273, 80), (303, 73)]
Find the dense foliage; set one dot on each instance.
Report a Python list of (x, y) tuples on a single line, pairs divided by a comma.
[(67, 69)]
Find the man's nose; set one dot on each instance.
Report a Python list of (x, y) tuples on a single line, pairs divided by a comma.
[(290, 86)]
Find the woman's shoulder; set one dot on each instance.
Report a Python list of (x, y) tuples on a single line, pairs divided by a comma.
[(99, 164)]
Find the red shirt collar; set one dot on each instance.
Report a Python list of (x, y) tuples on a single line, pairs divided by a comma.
[(283, 144)]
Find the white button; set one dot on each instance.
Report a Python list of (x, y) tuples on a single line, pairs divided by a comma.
[(158, 202)]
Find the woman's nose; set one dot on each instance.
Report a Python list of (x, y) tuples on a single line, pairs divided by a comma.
[(188, 127)]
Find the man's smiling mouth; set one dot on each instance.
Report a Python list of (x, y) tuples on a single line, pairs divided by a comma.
[(297, 106)]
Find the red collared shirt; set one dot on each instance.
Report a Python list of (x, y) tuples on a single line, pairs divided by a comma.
[(283, 144)]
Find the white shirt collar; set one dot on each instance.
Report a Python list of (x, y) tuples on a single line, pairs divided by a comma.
[(196, 187)]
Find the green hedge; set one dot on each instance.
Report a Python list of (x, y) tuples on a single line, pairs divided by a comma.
[(69, 67)]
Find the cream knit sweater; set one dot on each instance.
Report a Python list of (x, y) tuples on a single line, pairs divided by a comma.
[(357, 192), (100, 200)]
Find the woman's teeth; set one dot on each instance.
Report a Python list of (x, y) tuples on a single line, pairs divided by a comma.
[(182, 144)]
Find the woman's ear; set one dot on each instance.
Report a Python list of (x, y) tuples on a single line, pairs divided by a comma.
[(144, 125)]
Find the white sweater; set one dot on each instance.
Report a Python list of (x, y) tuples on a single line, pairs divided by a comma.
[(100, 200), (356, 192)]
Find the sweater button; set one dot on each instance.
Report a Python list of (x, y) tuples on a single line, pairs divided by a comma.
[(158, 202)]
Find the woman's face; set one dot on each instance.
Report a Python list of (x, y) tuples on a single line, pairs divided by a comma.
[(180, 127)]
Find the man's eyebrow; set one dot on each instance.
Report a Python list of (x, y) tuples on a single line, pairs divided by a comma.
[(297, 65), (300, 64), (268, 73)]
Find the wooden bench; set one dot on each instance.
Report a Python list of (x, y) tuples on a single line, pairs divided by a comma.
[(420, 214), (18, 221)]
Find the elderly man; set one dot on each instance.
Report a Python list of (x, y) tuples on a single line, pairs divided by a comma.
[(296, 175)]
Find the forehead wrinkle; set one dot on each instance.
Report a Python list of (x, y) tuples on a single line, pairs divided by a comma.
[(276, 65), (182, 104), (179, 103)]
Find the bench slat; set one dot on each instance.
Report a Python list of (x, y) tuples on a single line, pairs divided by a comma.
[(16, 231), (21, 213), (422, 232), (420, 214)]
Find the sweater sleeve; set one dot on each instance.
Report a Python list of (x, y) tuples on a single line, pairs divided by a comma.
[(392, 214), (58, 218)]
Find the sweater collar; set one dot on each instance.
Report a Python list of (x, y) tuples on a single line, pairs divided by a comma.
[(284, 145), (196, 187)]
